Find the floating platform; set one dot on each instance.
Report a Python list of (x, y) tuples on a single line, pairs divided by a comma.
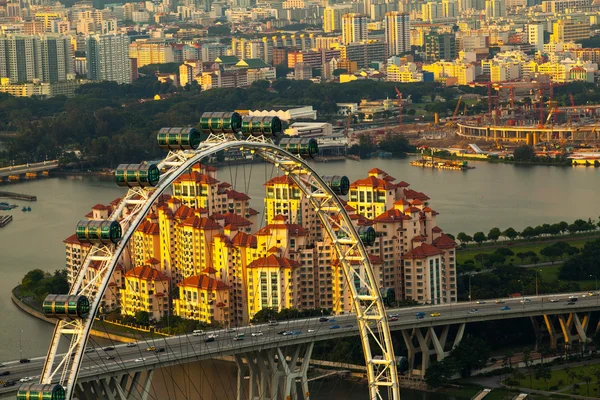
[(5, 220), (454, 166), (17, 196)]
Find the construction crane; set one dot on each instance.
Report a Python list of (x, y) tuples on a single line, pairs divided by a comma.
[(489, 94), (456, 108), (399, 107)]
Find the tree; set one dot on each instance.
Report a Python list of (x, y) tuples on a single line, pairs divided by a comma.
[(534, 259), (543, 372), (471, 354), (505, 251), (582, 265), (563, 226), (464, 238), (587, 379), (521, 256), (552, 252), (528, 362), (524, 153), (32, 278), (265, 315), (528, 233), (510, 233), (438, 374), (479, 237), (396, 143), (596, 373), (494, 234), (482, 258), (142, 318)]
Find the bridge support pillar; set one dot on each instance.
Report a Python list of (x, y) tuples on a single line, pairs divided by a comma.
[(566, 323), (272, 373), (429, 344), (124, 387)]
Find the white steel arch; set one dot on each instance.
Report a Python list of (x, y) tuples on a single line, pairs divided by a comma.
[(367, 301)]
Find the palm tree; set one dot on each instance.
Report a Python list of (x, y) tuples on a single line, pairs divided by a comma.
[(587, 379)]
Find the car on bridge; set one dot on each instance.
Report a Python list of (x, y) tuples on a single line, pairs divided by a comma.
[(132, 344), (554, 300), (9, 383), (473, 311), (239, 336), (334, 327), (108, 348), (230, 330), (255, 334), (209, 339), (141, 359), (198, 332), (273, 323), (25, 379), (4, 373), (323, 319), (110, 357), (27, 360), (393, 319), (526, 300), (500, 301), (159, 350), (435, 314), (480, 301), (420, 315), (151, 348), (505, 308)]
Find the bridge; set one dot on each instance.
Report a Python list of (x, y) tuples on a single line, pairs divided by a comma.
[(32, 168), (259, 355)]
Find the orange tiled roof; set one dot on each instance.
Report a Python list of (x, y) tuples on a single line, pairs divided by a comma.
[(234, 194), (147, 273), (201, 223), (392, 215), (203, 282), (444, 242), (436, 229), (373, 182), (422, 251), (197, 177), (209, 270), (149, 228), (100, 207), (272, 261), (283, 179), (413, 194), (243, 239), (235, 220)]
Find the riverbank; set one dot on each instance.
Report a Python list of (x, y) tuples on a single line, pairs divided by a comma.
[(123, 337)]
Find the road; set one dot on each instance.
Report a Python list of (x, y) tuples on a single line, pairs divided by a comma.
[(185, 348), (32, 167)]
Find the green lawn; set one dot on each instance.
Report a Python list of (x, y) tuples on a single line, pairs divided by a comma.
[(563, 382)]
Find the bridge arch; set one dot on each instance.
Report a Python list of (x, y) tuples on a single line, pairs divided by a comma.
[(367, 302)]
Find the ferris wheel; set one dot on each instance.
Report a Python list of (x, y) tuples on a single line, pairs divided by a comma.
[(255, 137)]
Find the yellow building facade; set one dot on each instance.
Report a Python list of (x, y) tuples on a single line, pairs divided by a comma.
[(146, 289), (204, 299)]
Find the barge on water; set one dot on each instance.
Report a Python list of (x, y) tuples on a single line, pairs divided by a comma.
[(5, 220), (451, 165)]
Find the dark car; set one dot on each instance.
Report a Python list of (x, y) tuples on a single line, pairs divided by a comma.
[(323, 319), (209, 339), (4, 373), (110, 358), (9, 383), (570, 303), (334, 327), (281, 332), (160, 350), (108, 348), (24, 360)]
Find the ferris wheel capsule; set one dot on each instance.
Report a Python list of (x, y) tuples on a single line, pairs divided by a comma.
[(178, 138), (64, 306), (257, 126), (220, 122), (140, 175), (366, 234), (96, 231), (304, 147), (36, 391), (339, 184)]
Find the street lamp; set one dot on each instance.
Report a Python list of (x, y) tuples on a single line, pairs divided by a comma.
[(594, 276), (523, 292), (469, 287)]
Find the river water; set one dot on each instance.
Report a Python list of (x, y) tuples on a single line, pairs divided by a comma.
[(491, 195)]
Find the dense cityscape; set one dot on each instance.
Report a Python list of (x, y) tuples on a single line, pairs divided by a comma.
[(299, 199)]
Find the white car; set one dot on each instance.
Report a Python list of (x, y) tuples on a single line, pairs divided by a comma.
[(25, 379), (254, 334), (213, 336), (526, 301), (132, 344), (141, 359), (311, 330), (554, 300), (480, 301)]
